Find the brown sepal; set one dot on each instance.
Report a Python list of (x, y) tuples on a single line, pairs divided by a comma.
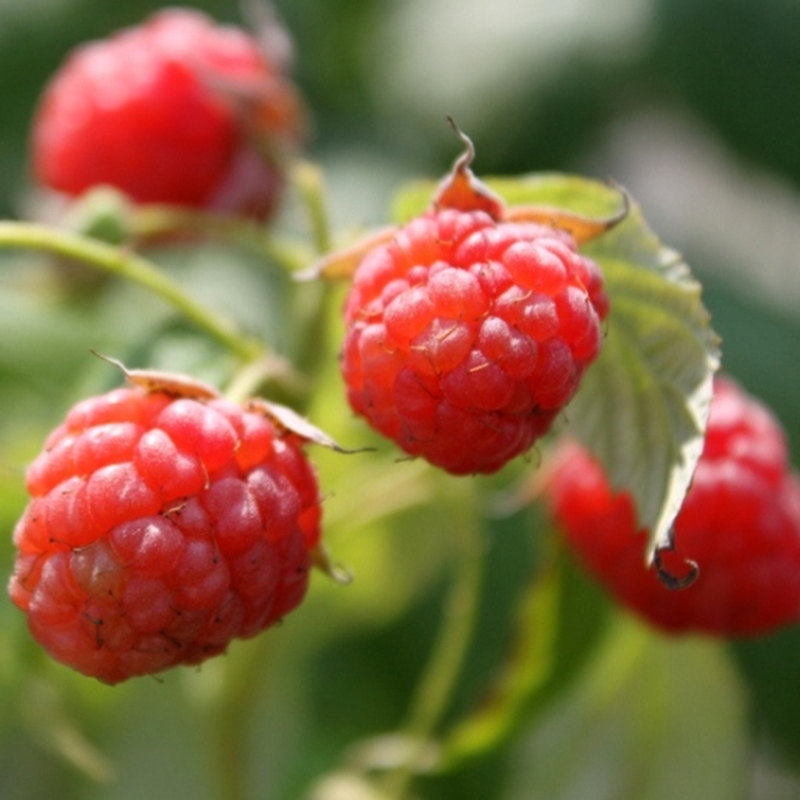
[(289, 421), (582, 229), (461, 190), (172, 383), (344, 262), (321, 559)]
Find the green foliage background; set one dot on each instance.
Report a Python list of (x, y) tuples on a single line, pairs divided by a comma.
[(692, 105)]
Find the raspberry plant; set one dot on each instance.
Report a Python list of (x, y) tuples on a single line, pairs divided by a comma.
[(451, 352)]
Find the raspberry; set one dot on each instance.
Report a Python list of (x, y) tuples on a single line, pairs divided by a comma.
[(176, 111), (469, 329), (739, 523), (160, 528)]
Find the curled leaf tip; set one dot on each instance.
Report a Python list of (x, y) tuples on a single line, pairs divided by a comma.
[(625, 208), (674, 582)]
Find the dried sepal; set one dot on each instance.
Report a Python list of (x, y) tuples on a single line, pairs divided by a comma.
[(171, 383), (343, 263), (288, 420), (321, 559), (461, 190), (582, 229)]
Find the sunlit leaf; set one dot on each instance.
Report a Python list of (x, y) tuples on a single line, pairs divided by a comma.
[(643, 406)]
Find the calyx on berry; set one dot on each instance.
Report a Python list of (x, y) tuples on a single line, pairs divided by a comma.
[(461, 190)]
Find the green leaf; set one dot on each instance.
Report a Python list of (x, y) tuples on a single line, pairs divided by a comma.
[(653, 718), (643, 406)]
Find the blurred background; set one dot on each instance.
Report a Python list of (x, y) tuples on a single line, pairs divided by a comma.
[(694, 106)]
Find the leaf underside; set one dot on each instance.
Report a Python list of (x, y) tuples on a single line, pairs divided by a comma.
[(643, 406)]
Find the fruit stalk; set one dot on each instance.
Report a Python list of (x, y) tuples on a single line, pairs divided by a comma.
[(444, 666), (117, 261), (154, 221)]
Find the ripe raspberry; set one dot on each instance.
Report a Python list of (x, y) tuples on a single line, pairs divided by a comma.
[(469, 330), (740, 523), (161, 528), (177, 111)]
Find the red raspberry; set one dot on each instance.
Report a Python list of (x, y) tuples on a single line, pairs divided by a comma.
[(161, 528), (469, 329), (467, 335), (740, 523), (176, 111)]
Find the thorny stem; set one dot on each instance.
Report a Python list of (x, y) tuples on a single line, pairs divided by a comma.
[(440, 675), (121, 262)]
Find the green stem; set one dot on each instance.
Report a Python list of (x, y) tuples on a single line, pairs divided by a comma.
[(154, 221), (524, 675), (254, 375), (231, 715), (312, 304), (307, 179), (128, 265), (440, 676)]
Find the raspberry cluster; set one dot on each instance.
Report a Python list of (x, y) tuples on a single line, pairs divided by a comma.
[(177, 110), (467, 334), (160, 528), (739, 523)]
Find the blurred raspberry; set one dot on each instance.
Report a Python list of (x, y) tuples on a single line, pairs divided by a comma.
[(177, 110), (740, 523)]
